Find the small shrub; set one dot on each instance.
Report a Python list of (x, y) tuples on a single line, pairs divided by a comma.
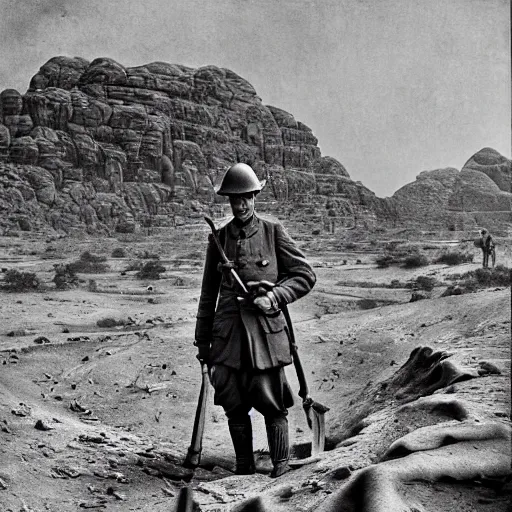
[(118, 252), (455, 258), (425, 283), (134, 265), (146, 255), (109, 322), (395, 283), (350, 246), (150, 270), (21, 281), (386, 260), (89, 264), (65, 277), (498, 276), (94, 258), (415, 261), (367, 304)]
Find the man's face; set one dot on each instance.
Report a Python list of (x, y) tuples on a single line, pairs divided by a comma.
[(242, 206)]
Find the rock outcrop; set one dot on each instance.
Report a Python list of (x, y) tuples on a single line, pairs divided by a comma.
[(105, 147), (100, 146), (478, 195)]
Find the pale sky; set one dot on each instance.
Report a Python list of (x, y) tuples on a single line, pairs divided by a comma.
[(390, 87)]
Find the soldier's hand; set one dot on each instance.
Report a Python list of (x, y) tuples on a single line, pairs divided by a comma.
[(203, 353), (263, 302)]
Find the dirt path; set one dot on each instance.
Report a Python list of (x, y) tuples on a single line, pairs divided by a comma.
[(119, 402)]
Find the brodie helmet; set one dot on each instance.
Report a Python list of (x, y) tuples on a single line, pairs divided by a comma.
[(239, 179)]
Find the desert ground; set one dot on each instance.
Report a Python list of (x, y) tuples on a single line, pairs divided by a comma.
[(99, 383)]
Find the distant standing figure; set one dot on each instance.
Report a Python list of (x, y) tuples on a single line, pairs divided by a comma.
[(488, 248)]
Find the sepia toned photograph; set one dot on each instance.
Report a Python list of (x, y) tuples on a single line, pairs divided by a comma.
[(255, 256)]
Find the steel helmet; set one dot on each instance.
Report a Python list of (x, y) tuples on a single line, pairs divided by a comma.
[(239, 179)]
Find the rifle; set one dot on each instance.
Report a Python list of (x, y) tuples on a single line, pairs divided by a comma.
[(193, 457)]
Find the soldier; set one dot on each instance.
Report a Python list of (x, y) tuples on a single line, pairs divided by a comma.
[(487, 246), (245, 341)]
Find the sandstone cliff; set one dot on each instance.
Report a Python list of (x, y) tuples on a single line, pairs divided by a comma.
[(105, 147), (478, 195), (98, 146)]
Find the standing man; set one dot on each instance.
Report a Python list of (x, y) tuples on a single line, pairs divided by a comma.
[(244, 340), (487, 246)]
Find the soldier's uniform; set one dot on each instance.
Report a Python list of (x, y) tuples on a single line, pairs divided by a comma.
[(247, 348), (488, 249)]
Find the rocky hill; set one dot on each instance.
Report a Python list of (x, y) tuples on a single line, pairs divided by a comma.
[(108, 147), (480, 194), (98, 146)]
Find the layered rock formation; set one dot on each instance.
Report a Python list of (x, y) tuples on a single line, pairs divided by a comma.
[(107, 147), (97, 146), (478, 195)]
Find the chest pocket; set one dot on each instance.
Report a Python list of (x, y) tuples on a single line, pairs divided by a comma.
[(259, 261)]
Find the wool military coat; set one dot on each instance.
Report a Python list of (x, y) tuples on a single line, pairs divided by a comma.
[(238, 333)]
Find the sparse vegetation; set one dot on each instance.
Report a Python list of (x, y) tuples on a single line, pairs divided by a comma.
[(425, 283), (89, 264), (146, 255), (65, 277), (109, 322), (367, 304), (386, 260), (498, 276), (415, 261), (134, 265), (455, 258), (150, 270), (119, 252), (407, 255), (21, 281), (481, 278)]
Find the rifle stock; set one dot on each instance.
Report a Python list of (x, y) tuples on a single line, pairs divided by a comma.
[(193, 457)]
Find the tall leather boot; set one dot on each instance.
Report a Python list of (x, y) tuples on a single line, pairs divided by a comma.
[(278, 442), (240, 429)]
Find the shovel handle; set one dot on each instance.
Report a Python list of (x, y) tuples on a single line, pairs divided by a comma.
[(301, 376)]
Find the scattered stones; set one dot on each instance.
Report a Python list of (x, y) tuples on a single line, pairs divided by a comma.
[(17, 332), (22, 410), (341, 473), (487, 368), (102, 503), (43, 425), (65, 472), (416, 296), (285, 493), (86, 438), (112, 492), (40, 340)]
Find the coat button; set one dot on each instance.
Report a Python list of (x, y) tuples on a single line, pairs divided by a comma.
[(264, 263)]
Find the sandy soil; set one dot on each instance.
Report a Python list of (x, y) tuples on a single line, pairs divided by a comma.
[(116, 405)]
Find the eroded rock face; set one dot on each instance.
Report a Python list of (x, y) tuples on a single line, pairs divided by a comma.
[(116, 145), (496, 166), (478, 195), (120, 144)]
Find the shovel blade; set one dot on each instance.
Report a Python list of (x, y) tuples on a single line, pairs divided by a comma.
[(318, 421)]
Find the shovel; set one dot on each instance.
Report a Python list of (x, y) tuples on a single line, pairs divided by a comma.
[(315, 411)]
